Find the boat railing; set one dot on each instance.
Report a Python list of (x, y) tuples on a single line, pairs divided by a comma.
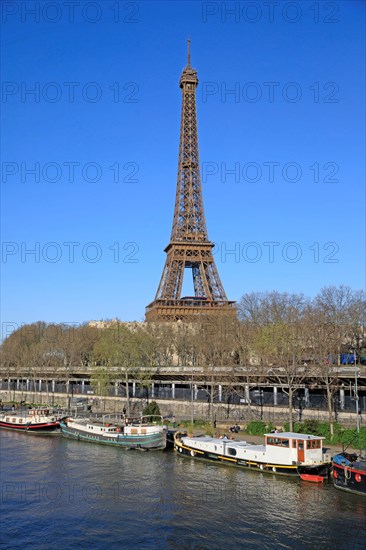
[(115, 419), (120, 419), (152, 419)]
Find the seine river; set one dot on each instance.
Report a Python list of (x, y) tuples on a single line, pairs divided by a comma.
[(66, 494)]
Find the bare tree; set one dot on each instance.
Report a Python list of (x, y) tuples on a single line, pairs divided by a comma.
[(276, 320), (163, 338), (324, 340), (344, 310), (214, 344)]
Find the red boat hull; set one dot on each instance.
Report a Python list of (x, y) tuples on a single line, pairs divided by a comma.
[(36, 427), (312, 478)]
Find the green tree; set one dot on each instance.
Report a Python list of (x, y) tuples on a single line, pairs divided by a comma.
[(151, 409), (118, 349), (101, 382)]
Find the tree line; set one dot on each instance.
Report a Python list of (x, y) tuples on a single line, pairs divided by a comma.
[(285, 337)]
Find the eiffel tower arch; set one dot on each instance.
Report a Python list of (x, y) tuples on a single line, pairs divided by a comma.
[(189, 245)]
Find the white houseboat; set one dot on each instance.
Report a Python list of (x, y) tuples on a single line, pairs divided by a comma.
[(30, 420), (140, 433), (285, 453)]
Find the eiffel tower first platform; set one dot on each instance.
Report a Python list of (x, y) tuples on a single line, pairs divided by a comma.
[(189, 245)]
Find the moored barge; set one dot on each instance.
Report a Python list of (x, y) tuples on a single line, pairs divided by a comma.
[(31, 420), (349, 473), (130, 434), (286, 453)]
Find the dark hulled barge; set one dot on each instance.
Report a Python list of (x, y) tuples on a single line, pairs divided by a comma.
[(31, 420), (349, 473)]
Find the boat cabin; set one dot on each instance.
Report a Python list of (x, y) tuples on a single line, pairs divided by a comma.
[(38, 412), (95, 428), (28, 417), (300, 447), (106, 428), (142, 429), (14, 419)]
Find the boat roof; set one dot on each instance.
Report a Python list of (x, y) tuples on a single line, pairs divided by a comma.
[(207, 439), (293, 435), (236, 443), (227, 441), (218, 440)]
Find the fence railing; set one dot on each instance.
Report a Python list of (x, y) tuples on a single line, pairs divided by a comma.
[(260, 398)]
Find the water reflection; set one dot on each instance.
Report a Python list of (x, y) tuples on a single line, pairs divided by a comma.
[(67, 494)]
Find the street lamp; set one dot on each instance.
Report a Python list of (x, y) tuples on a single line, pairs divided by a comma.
[(356, 399), (261, 402), (192, 405), (356, 392), (301, 401), (335, 401)]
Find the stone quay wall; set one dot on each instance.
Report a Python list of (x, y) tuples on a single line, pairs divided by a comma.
[(181, 410)]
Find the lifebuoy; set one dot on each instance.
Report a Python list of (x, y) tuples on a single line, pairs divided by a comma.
[(358, 478), (274, 469), (192, 453), (335, 474), (261, 466)]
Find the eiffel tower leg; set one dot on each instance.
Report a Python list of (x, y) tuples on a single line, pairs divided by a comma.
[(171, 282), (199, 289)]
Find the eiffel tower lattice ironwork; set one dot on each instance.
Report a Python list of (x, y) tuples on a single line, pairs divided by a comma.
[(189, 245)]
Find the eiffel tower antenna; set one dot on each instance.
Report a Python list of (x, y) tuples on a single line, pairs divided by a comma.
[(189, 245)]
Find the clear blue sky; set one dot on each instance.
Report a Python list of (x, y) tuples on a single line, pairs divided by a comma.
[(293, 130)]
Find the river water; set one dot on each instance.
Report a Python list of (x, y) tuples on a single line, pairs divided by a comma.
[(58, 493)]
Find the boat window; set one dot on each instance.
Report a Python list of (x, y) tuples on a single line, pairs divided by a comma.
[(231, 451), (313, 444), (278, 442)]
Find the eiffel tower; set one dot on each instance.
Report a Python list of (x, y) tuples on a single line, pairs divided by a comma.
[(189, 245)]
